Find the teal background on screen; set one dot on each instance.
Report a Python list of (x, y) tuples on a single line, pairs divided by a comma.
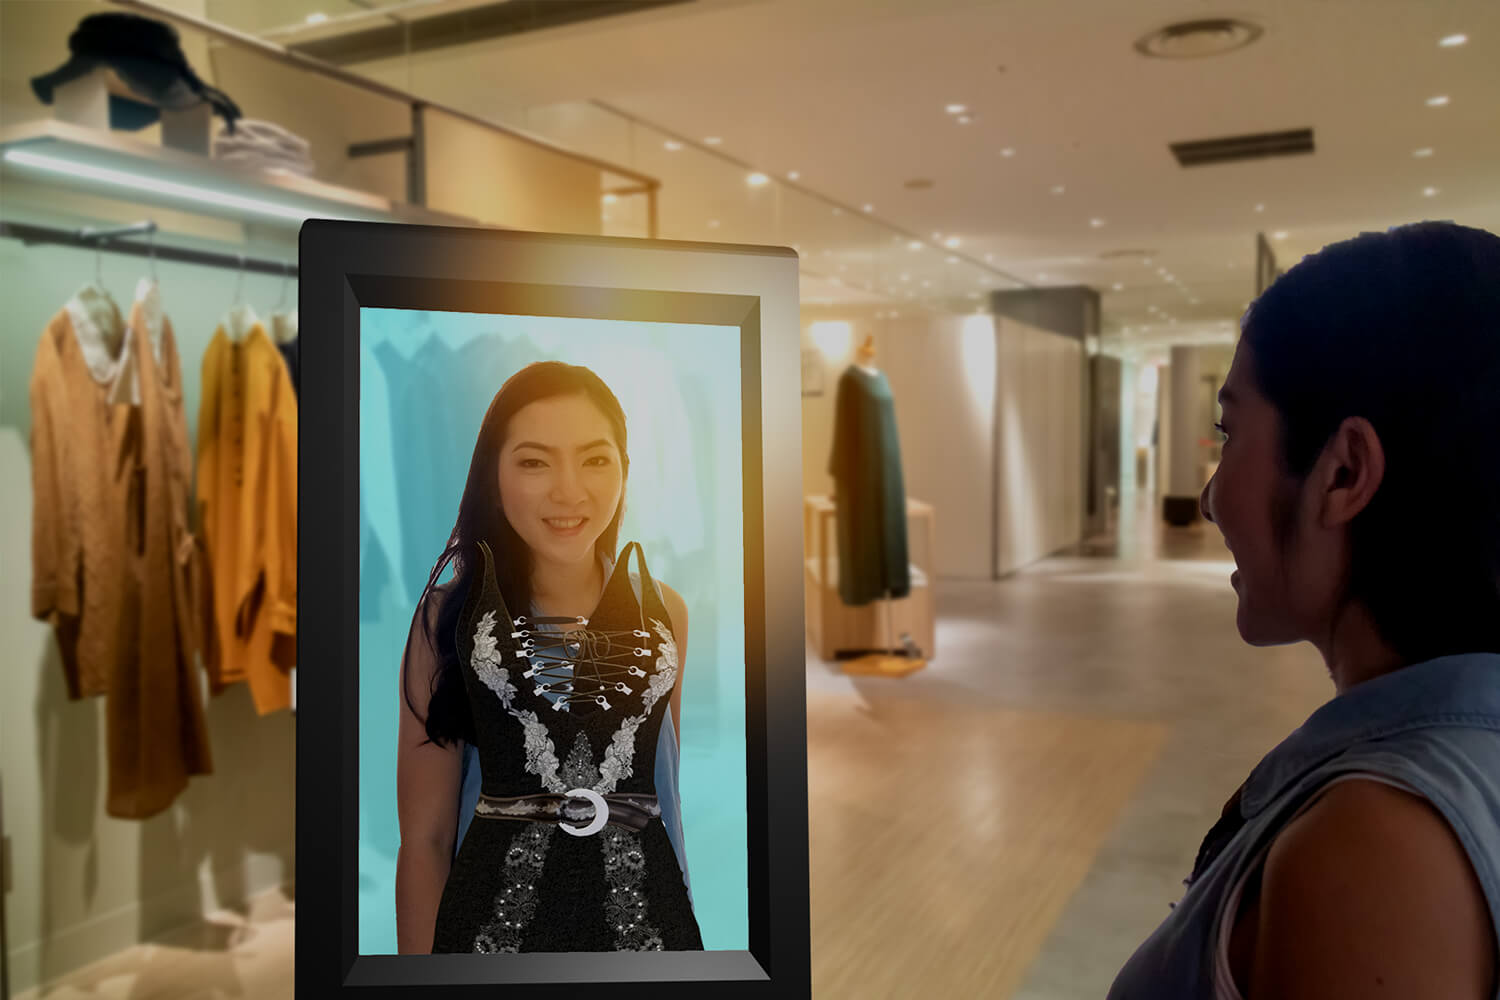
[(426, 380)]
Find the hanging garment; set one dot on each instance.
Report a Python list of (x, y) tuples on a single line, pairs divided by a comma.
[(78, 494), (116, 566), (247, 491), (522, 882), (869, 495)]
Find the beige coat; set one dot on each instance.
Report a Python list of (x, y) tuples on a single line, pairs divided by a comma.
[(247, 489), (115, 566)]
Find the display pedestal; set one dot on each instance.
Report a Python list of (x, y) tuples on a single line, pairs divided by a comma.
[(834, 627)]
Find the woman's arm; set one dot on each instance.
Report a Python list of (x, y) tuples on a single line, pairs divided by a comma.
[(677, 608), (1369, 894), (427, 790)]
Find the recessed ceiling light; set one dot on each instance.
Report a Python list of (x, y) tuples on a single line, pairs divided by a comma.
[(792, 175), (1280, 234), (1198, 38), (956, 109), (1117, 287), (914, 245), (317, 17), (1008, 151), (1058, 189), (712, 140), (1096, 223), (964, 119), (1424, 152), (1147, 262), (952, 242), (1452, 41), (1260, 207), (610, 198), (1438, 101), (671, 145), (713, 223), (1429, 191), (869, 207), (757, 179)]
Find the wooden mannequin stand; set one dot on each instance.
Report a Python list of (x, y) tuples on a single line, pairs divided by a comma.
[(885, 663)]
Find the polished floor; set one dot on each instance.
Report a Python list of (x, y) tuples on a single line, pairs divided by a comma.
[(1009, 822)]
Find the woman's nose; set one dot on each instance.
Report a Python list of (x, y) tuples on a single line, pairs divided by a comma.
[(567, 487)]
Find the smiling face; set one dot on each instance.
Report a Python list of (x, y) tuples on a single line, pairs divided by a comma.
[(1256, 505), (561, 477)]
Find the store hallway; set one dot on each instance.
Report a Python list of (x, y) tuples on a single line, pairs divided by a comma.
[(1015, 819), (1009, 822)]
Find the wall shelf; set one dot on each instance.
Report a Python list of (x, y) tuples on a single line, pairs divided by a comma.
[(159, 175)]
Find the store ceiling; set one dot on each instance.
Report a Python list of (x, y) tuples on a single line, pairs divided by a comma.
[(853, 95)]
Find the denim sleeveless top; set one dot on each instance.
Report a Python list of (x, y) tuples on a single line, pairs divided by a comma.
[(667, 793), (1432, 728)]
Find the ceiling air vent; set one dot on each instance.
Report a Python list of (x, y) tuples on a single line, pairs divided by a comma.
[(1243, 147), (1210, 36), (404, 36)]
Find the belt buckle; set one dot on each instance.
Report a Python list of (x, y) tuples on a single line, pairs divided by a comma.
[(601, 812)]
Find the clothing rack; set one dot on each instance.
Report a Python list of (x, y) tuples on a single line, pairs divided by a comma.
[(111, 240)]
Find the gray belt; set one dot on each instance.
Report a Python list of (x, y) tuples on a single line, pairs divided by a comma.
[(631, 810)]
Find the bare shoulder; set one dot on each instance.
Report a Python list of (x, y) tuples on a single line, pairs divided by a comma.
[(1370, 893), (676, 606)]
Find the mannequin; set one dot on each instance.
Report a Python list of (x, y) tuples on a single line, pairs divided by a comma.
[(871, 500)]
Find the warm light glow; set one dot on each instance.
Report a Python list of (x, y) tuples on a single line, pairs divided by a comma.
[(964, 119), (792, 175), (757, 179), (956, 109), (978, 348), (1453, 40), (712, 140), (869, 207), (1118, 287), (1280, 234), (317, 17), (1007, 151), (1438, 101), (1058, 189), (1260, 208), (952, 242), (834, 338), (1425, 151), (611, 198), (914, 245), (671, 145), (140, 182), (1429, 192), (1096, 223)]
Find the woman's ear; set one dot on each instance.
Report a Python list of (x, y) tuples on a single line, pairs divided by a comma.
[(1354, 470)]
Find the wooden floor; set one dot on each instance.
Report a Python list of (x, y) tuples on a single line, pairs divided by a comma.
[(1010, 822), (946, 839)]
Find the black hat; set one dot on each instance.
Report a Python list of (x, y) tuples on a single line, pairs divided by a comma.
[(147, 57)]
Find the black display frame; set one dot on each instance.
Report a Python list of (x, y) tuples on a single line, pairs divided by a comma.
[(348, 266)]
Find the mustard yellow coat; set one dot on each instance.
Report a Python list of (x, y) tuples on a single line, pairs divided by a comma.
[(247, 495)]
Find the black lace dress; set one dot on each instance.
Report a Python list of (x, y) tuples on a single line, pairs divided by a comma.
[(522, 885)]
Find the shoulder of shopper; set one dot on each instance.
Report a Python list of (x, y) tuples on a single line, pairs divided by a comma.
[(1369, 893)]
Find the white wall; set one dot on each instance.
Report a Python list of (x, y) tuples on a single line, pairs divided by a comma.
[(942, 373), (1040, 437)]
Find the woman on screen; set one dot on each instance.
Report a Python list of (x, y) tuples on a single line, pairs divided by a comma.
[(564, 669), (1359, 492)]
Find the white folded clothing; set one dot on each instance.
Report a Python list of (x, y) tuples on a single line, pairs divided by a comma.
[(252, 131)]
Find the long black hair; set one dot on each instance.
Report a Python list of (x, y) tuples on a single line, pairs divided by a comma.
[(1401, 328), (482, 518)]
